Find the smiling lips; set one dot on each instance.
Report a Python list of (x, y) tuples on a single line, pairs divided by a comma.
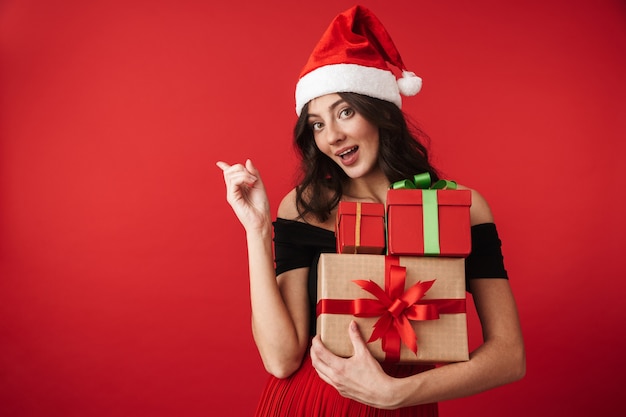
[(348, 156), (347, 152)]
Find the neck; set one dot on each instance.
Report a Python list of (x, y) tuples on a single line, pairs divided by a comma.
[(372, 188)]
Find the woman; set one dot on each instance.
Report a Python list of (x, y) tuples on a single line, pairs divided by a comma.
[(354, 142)]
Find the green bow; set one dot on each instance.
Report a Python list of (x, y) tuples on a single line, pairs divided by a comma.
[(423, 181)]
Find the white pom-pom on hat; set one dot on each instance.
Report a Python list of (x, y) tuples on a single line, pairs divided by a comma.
[(410, 84)]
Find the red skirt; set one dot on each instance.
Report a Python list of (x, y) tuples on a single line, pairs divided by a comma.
[(305, 394)]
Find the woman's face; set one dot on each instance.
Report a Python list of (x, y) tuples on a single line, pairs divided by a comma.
[(344, 135)]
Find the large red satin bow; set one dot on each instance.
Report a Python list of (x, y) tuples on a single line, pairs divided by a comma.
[(393, 326), (395, 306)]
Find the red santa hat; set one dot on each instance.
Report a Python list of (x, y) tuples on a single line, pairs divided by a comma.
[(353, 56)]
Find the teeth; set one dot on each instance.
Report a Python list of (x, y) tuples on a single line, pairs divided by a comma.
[(347, 152)]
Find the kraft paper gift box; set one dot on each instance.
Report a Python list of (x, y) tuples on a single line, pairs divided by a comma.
[(428, 222), (360, 228), (384, 294)]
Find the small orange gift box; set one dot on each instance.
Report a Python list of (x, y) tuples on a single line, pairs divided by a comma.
[(360, 228)]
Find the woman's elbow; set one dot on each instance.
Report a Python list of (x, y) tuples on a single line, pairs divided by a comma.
[(517, 364), (521, 368), (282, 369)]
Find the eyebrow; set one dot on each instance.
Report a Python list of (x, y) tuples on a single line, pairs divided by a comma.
[(331, 107)]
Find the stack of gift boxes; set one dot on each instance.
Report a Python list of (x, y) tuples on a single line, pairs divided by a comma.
[(399, 272)]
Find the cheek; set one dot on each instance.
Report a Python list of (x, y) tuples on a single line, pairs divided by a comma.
[(374, 140), (321, 145)]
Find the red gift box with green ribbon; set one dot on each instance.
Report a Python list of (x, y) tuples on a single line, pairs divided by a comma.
[(425, 220), (360, 228), (408, 309)]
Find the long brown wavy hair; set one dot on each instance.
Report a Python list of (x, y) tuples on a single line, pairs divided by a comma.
[(402, 154)]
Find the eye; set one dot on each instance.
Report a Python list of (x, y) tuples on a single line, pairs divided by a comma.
[(316, 126), (345, 113)]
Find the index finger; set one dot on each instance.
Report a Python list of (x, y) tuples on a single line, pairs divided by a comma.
[(223, 165)]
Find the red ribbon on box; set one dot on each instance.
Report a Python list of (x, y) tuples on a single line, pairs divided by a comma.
[(395, 306)]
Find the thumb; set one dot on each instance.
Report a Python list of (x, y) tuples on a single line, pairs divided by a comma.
[(356, 338)]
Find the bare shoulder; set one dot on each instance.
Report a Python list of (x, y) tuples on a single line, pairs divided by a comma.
[(480, 212), (287, 209)]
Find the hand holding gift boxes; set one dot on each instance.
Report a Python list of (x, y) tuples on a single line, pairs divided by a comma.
[(409, 308)]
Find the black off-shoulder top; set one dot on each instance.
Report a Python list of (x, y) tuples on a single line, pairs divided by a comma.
[(299, 245)]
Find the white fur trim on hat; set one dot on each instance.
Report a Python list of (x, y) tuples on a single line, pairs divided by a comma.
[(347, 78)]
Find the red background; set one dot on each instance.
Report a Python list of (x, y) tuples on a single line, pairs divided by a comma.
[(123, 277)]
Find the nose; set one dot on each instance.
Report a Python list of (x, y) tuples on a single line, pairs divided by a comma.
[(334, 133)]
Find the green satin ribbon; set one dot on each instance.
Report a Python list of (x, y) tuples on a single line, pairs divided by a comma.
[(430, 221), (430, 206), (423, 181), (419, 181)]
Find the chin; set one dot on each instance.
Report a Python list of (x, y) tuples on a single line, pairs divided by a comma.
[(355, 174)]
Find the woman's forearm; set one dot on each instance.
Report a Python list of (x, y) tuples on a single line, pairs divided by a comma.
[(493, 364), (498, 361)]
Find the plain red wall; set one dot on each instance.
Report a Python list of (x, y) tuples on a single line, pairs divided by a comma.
[(123, 277)]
